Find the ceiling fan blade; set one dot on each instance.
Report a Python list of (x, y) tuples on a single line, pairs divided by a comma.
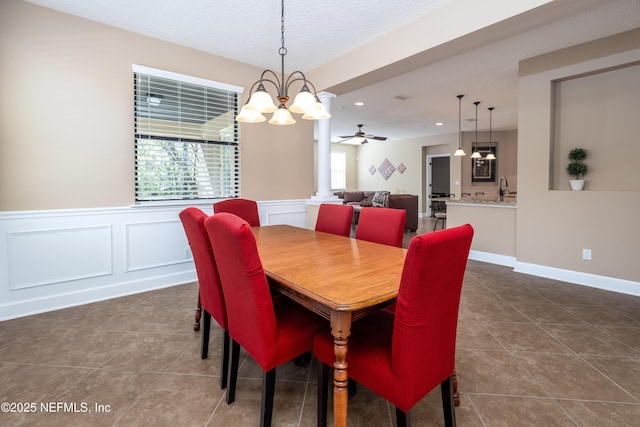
[(362, 135)]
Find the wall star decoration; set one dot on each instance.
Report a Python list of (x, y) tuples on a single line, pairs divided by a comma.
[(386, 169)]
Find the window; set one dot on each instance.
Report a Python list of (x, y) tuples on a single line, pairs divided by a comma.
[(187, 145), (338, 171)]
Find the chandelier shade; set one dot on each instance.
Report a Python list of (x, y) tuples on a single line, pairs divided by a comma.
[(250, 114), (306, 102), (261, 101), (317, 112), (282, 117), (303, 102)]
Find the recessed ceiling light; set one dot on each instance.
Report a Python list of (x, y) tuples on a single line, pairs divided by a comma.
[(439, 124), (359, 103)]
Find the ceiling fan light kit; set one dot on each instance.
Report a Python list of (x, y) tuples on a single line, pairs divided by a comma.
[(260, 102)]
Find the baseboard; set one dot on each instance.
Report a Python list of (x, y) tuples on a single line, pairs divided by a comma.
[(579, 278), (507, 261), (576, 277)]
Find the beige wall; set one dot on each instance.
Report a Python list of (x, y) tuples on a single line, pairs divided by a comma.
[(410, 153), (66, 111), (554, 226), (598, 112)]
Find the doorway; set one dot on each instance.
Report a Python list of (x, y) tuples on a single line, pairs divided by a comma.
[(438, 177)]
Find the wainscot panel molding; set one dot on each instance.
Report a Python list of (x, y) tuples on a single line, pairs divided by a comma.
[(62, 258)]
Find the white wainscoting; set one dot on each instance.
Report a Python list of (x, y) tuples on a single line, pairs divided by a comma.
[(62, 258)]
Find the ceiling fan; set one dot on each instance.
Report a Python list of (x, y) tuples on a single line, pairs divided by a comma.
[(362, 136)]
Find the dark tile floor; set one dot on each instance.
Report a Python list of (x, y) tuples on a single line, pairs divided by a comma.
[(531, 352)]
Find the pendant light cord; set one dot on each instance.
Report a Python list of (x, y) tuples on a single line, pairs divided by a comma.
[(460, 121), (477, 103)]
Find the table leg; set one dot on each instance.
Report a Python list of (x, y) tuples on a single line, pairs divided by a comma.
[(456, 395), (196, 325), (340, 329)]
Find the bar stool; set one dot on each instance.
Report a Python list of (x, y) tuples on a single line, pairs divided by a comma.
[(440, 216)]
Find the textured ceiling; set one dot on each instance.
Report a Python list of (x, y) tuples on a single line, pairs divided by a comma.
[(249, 31), (318, 32)]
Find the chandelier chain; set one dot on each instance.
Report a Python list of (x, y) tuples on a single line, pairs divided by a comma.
[(282, 50)]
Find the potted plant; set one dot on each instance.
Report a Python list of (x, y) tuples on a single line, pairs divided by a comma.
[(576, 168)]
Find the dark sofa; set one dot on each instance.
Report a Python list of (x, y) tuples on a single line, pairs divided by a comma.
[(408, 202)]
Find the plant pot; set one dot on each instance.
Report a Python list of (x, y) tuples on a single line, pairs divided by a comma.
[(576, 184)]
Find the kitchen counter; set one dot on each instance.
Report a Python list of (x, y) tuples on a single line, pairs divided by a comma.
[(507, 201), (494, 222)]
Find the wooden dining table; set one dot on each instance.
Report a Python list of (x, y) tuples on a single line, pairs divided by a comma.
[(340, 278)]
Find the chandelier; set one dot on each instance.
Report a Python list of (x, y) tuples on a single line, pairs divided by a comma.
[(260, 102)]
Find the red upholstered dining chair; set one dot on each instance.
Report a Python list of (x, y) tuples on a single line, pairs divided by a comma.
[(335, 219), (382, 225), (209, 286), (403, 356), (244, 208), (272, 331)]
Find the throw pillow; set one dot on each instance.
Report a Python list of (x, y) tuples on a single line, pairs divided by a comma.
[(380, 199), (353, 196), (368, 198)]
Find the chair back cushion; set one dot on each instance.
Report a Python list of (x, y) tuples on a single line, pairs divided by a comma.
[(250, 311), (244, 208), (335, 219), (426, 314), (381, 225), (211, 297)]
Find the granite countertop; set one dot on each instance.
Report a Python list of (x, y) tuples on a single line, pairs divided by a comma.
[(508, 201)]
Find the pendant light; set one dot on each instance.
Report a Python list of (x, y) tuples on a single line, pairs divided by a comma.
[(476, 154), (490, 156), (459, 151)]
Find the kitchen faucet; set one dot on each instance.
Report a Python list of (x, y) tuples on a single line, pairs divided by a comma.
[(502, 190)]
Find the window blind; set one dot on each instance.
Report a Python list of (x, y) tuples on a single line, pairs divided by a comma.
[(187, 142)]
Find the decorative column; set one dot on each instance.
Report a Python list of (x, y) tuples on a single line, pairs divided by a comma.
[(324, 194)]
